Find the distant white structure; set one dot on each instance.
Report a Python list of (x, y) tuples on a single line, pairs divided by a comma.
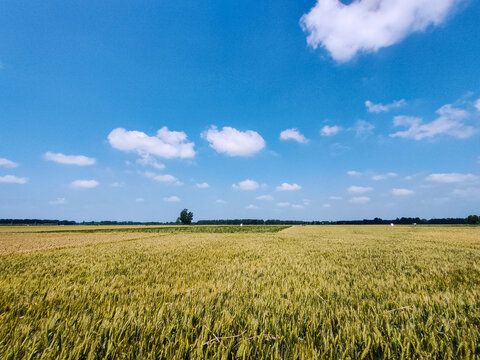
[(241, 224), (392, 224)]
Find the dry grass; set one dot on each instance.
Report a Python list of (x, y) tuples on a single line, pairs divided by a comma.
[(305, 292), (16, 243)]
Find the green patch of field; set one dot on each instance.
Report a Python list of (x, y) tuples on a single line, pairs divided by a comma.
[(302, 293)]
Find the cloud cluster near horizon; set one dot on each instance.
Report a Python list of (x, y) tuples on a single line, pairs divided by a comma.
[(369, 25)]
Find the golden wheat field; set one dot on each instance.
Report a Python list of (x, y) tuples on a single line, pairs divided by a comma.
[(300, 292)]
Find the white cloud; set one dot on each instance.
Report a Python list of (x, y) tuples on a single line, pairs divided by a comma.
[(171, 199), (335, 197), (246, 185), (220, 201), (8, 163), (148, 160), (12, 179), (384, 176), (330, 130), (288, 187), (85, 184), (203, 185), (283, 204), (359, 200), (326, 206), (58, 201), (353, 173), (369, 25), (60, 158), (477, 104), (402, 192), (377, 108), (265, 197), (165, 144), (451, 178), (298, 206), (306, 202), (359, 189), (293, 134), (363, 129), (450, 122), (233, 142), (139, 200), (163, 178), (252, 207)]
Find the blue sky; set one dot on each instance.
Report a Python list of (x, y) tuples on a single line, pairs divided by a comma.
[(292, 110)]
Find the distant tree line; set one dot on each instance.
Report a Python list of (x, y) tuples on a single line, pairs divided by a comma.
[(471, 219), (69, 222)]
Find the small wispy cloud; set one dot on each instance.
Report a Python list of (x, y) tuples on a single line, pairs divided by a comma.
[(171, 199), (252, 207), (477, 104), (449, 123), (79, 160), (265, 197), (335, 197), (58, 201), (163, 178), (246, 185), (469, 193), (8, 163), (451, 178), (363, 129), (118, 184), (378, 108), (85, 184), (359, 200), (293, 134), (359, 189), (12, 179), (402, 192), (330, 130), (148, 160), (379, 177), (353, 173), (202, 185), (288, 187), (139, 200)]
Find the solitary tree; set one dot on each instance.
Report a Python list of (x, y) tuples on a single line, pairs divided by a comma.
[(185, 217)]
